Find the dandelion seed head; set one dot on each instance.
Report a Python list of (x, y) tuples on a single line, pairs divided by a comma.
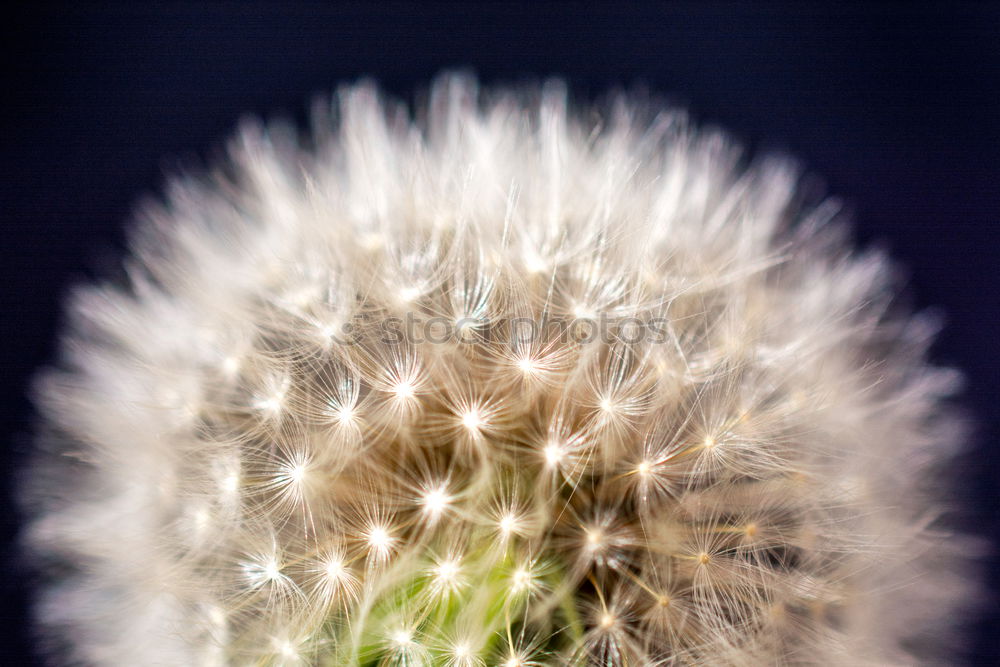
[(712, 445), (595, 538), (408, 294), (297, 473), (379, 542), (523, 579), (270, 405), (527, 365), (446, 571), (346, 414), (554, 454), (404, 390), (230, 484), (288, 650), (435, 501), (334, 568), (262, 570), (401, 638), (534, 264), (231, 365), (379, 538), (508, 524), (472, 420)]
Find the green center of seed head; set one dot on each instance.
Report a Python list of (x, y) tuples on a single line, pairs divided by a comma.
[(488, 605)]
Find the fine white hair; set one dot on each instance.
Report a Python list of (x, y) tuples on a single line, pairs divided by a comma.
[(500, 381)]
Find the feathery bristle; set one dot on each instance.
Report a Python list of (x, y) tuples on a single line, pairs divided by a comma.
[(510, 385)]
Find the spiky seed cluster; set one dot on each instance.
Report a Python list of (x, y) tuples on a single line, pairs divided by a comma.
[(313, 427)]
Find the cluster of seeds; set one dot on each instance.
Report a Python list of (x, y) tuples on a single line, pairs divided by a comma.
[(507, 388)]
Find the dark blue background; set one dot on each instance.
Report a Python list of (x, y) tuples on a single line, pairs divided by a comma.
[(897, 106)]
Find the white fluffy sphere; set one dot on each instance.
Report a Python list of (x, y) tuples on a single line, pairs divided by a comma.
[(507, 384)]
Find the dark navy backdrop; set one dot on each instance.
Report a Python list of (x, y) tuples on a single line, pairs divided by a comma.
[(897, 106)]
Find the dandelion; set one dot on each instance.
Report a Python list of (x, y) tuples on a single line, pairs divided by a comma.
[(511, 384)]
